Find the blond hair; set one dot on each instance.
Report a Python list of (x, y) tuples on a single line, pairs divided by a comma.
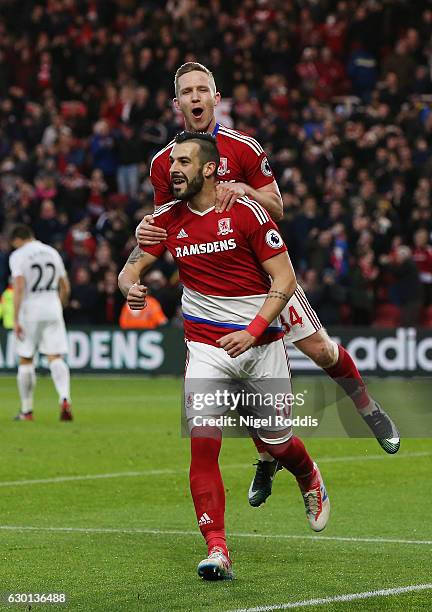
[(190, 67)]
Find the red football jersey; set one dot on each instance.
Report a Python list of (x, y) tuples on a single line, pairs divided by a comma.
[(218, 256), (423, 258), (242, 159)]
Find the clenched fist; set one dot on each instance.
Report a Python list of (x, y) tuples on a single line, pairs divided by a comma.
[(136, 297)]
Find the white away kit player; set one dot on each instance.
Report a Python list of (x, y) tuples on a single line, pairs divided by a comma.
[(41, 288)]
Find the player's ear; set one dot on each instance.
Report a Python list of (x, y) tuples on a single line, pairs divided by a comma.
[(176, 104), (217, 98), (209, 169)]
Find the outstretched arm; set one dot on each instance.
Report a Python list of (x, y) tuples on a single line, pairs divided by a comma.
[(283, 286), (129, 278)]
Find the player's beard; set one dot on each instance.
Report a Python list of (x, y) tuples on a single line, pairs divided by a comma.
[(192, 188)]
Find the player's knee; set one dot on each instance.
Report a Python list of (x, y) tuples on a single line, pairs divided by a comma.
[(278, 446), (26, 360), (52, 358), (324, 351)]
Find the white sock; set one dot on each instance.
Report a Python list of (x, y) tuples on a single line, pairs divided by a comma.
[(367, 410), (61, 378), (265, 457), (26, 379)]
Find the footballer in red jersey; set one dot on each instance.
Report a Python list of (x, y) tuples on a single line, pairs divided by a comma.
[(237, 279), (244, 171), (422, 255)]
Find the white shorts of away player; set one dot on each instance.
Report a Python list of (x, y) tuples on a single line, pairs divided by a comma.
[(299, 318), (258, 370), (46, 337)]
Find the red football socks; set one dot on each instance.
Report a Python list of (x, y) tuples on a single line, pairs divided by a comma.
[(295, 458), (346, 374), (207, 487)]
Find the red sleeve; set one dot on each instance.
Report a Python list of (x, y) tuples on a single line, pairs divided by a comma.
[(261, 231), (157, 250), (257, 168), (159, 177)]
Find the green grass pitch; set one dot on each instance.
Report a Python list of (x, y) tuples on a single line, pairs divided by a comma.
[(129, 541)]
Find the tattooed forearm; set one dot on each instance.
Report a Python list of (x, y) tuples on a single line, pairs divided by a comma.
[(135, 256), (137, 264), (278, 295)]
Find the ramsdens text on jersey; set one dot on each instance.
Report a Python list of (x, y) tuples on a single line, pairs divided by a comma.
[(206, 247)]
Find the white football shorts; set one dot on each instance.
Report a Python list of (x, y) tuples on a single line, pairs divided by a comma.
[(46, 337), (299, 318), (263, 372)]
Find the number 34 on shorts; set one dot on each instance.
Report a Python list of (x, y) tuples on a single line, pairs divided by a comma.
[(299, 318)]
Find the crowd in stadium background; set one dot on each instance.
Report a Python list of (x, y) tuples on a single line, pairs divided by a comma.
[(337, 93)]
